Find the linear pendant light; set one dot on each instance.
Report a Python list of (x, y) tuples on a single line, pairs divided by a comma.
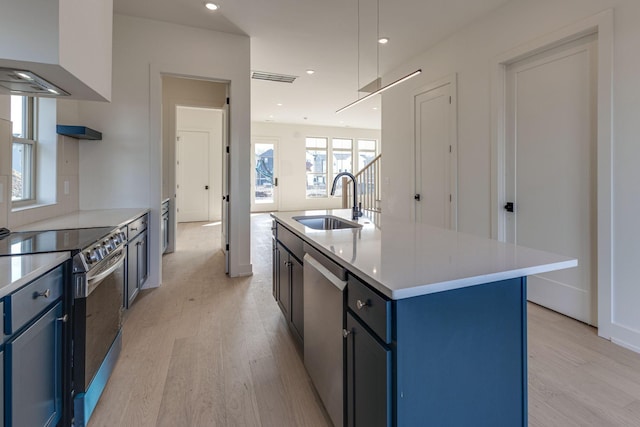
[(382, 89)]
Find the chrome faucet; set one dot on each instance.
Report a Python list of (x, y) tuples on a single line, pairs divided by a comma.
[(356, 211)]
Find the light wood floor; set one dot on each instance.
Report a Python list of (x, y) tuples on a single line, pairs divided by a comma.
[(208, 350)]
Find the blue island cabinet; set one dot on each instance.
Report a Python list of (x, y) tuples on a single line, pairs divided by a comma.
[(454, 358)]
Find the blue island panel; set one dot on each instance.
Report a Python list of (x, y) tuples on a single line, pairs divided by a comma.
[(461, 357)]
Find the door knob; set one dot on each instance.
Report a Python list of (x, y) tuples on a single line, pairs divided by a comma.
[(416, 197), (206, 187), (509, 207)]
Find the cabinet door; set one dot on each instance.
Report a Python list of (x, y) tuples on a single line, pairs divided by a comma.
[(368, 378), (1, 385), (35, 369), (143, 258), (275, 265), (297, 298), (165, 232), (284, 288), (133, 267)]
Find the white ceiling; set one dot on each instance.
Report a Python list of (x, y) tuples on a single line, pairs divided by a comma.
[(291, 36)]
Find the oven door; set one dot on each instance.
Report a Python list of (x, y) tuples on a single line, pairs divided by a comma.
[(97, 317)]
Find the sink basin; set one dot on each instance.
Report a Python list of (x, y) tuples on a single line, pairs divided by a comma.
[(325, 222)]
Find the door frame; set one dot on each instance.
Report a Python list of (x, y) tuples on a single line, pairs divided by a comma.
[(452, 80), (602, 25), (212, 154), (276, 167)]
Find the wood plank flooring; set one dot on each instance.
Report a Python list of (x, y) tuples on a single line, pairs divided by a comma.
[(208, 350)]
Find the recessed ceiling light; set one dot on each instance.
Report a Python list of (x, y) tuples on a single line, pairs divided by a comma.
[(310, 72), (271, 116), (383, 40), (375, 108), (211, 6), (279, 104)]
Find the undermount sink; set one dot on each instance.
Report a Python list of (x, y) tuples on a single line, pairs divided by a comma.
[(325, 222)]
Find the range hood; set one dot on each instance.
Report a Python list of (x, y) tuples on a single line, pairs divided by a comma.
[(57, 48), (25, 82)]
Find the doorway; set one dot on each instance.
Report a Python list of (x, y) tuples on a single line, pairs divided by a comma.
[(435, 127), (264, 176), (550, 172), (199, 164)]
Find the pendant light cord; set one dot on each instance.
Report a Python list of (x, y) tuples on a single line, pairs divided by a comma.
[(358, 82)]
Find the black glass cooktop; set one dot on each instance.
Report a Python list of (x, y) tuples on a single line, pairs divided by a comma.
[(34, 242)]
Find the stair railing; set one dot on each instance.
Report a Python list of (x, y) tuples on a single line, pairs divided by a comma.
[(369, 191)]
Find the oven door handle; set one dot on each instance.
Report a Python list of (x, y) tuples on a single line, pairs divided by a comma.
[(94, 281)]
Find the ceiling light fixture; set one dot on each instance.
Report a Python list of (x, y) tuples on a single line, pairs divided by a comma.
[(310, 72), (382, 89), (376, 83), (279, 104), (211, 6)]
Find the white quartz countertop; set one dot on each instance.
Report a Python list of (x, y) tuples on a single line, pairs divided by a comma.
[(404, 259), (17, 271), (86, 219)]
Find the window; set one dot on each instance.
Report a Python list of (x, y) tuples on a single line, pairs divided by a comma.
[(367, 151), (24, 149), (316, 167), (342, 154)]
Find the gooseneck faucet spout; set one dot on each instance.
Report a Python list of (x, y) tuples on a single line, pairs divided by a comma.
[(356, 210)]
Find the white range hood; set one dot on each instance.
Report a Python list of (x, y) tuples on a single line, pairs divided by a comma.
[(56, 48)]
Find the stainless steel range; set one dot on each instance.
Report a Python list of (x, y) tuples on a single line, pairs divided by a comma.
[(98, 282)]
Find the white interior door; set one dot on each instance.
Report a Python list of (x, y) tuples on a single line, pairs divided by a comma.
[(264, 176), (551, 173), (193, 176), (435, 148)]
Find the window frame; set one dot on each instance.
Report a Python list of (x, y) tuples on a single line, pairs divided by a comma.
[(329, 150), (327, 167), (28, 138)]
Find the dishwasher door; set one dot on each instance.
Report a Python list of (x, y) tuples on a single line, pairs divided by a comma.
[(323, 342)]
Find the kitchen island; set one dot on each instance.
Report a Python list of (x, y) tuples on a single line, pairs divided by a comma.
[(434, 320)]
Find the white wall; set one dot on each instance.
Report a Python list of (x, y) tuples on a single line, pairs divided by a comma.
[(291, 159), (144, 50), (470, 53)]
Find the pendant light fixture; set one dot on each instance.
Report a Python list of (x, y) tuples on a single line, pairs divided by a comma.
[(380, 40)]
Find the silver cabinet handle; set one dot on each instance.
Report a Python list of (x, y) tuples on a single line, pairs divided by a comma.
[(45, 294), (64, 318), (345, 333), (361, 304), (134, 229)]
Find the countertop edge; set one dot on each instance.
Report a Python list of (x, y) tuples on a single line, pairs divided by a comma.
[(35, 273)]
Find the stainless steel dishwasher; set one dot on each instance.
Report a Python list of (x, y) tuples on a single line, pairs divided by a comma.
[(324, 285)]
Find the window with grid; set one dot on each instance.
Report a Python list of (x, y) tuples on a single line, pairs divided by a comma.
[(342, 154), (367, 151), (316, 167), (23, 154)]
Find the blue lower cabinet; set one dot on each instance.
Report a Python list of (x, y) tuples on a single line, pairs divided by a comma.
[(34, 373), (1, 385), (368, 371)]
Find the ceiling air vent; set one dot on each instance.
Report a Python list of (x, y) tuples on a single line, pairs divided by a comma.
[(272, 77)]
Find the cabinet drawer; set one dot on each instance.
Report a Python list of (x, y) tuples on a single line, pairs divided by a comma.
[(292, 242), (26, 303), (373, 309), (135, 227)]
